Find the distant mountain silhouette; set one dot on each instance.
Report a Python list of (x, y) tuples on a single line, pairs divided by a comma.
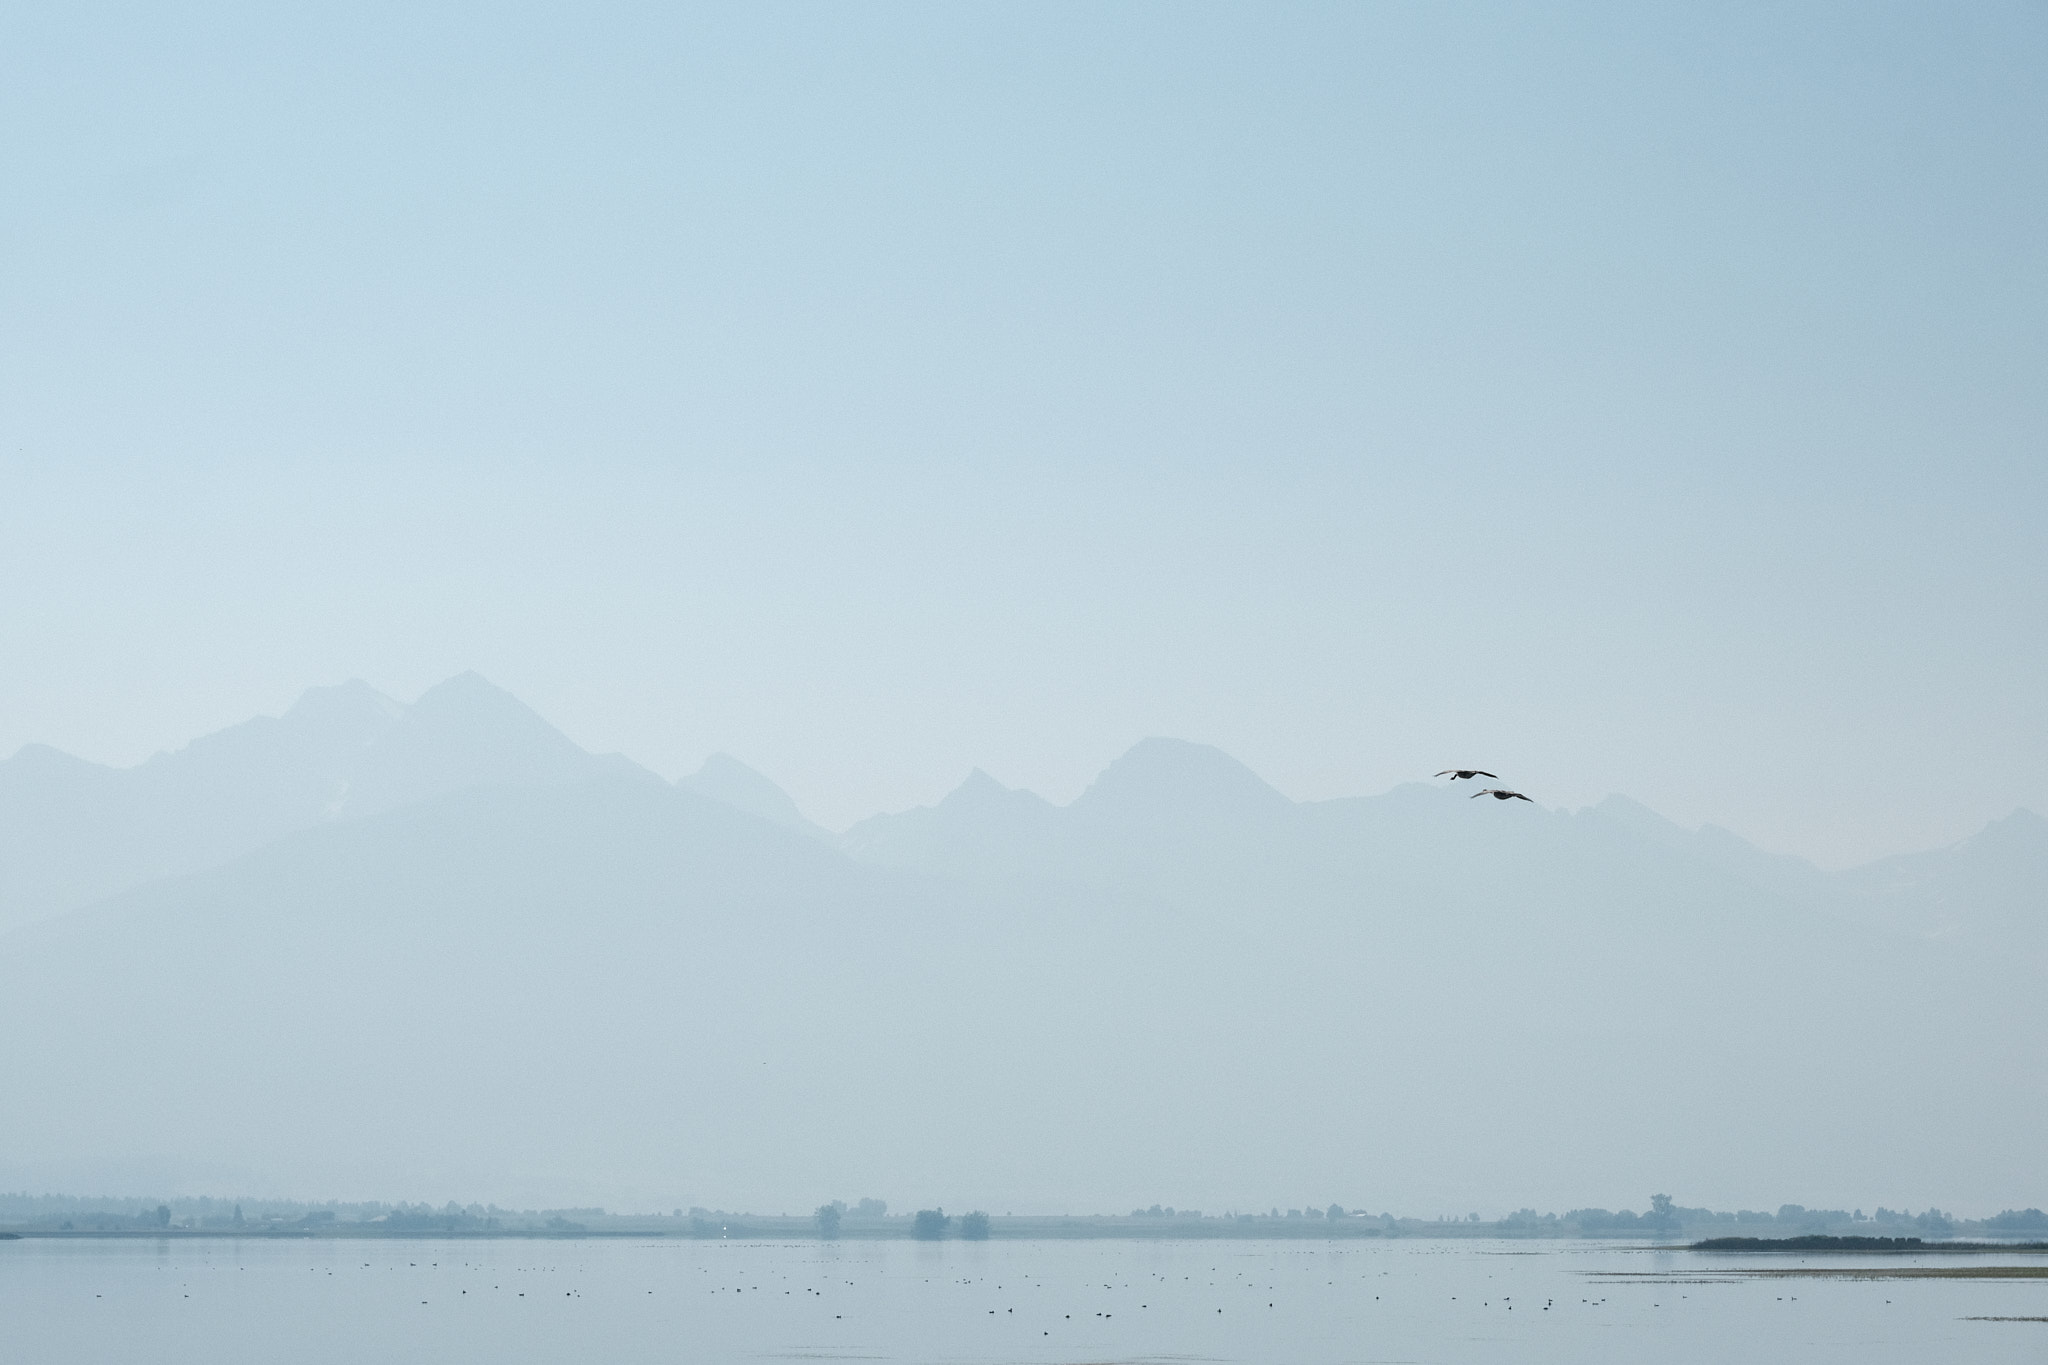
[(1787, 876), (1187, 822), (1990, 890), (1171, 783), (1991, 886), (981, 830), (572, 990), (725, 778), (440, 951), (462, 733), (1166, 812), (72, 832)]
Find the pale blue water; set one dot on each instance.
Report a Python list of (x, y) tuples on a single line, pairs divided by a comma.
[(222, 1302)]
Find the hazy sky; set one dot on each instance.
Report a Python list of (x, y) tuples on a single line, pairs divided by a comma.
[(1649, 398)]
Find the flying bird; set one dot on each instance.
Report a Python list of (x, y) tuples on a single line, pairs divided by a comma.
[(1500, 794), (1456, 773)]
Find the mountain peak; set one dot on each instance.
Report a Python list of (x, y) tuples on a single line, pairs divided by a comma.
[(478, 711), (980, 797), (38, 761), (1639, 820), (2021, 832), (1161, 776), (354, 702), (468, 688), (724, 778), (71, 831), (460, 733), (2021, 821), (978, 790)]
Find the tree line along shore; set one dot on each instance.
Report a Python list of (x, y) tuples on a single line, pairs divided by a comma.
[(1665, 1221)]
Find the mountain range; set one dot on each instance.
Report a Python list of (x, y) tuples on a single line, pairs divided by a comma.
[(439, 950)]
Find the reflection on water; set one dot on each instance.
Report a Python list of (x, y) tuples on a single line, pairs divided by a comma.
[(634, 1301)]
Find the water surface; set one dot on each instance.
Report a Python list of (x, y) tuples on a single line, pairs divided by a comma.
[(631, 1301)]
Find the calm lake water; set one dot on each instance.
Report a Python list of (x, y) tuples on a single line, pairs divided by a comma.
[(669, 1301)]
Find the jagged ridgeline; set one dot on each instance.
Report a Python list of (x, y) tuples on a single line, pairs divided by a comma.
[(368, 947)]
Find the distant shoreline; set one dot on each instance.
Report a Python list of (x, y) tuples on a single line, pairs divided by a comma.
[(1862, 1246), (1016, 1230)]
